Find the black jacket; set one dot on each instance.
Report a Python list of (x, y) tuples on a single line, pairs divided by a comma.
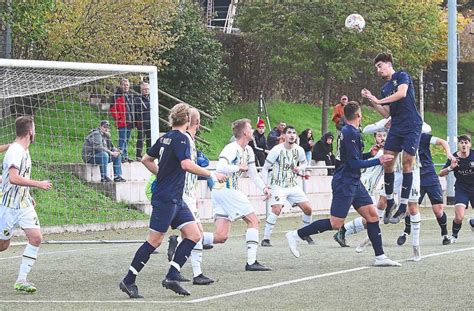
[(322, 150)]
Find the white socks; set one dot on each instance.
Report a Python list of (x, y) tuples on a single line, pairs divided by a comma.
[(208, 238), (415, 228), (270, 223), (196, 258), (28, 260), (307, 219), (354, 226), (251, 237)]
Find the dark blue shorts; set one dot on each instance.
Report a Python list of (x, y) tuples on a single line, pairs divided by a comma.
[(345, 195), (407, 142), (166, 214), (462, 196), (434, 192)]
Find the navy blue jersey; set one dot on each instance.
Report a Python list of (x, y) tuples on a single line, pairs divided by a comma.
[(405, 116), (427, 170), (464, 172), (170, 149), (351, 147)]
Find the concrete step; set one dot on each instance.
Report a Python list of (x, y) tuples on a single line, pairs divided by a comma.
[(131, 192), (134, 171)]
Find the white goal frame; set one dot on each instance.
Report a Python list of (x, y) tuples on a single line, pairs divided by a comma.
[(152, 72)]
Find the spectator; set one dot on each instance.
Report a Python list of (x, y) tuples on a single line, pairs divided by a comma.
[(259, 143), (307, 142), (322, 151), (338, 112), (142, 118), (123, 113), (276, 135), (98, 149)]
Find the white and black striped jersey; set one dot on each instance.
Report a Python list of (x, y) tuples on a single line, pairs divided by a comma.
[(283, 161), (191, 180), (14, 196)]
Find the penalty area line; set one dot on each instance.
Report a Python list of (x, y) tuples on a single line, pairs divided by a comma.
[(234, 293)]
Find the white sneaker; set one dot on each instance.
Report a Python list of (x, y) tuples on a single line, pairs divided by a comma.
[(293, 243), (362, 245), (416, 253), (386, 262), (453, 239)]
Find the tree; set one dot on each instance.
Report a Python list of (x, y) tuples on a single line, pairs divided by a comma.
[(312, 36), (195, 66), (27, 20), (112, 31)]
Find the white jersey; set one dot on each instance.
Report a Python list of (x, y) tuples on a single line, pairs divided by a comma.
[(234, 155), (372, 176), (14, 196), (283, 161), (191, 180)]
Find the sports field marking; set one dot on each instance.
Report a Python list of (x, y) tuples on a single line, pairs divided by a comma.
[(66, 251), (235, 293)]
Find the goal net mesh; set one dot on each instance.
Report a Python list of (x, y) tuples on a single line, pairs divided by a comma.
[(66, 105)]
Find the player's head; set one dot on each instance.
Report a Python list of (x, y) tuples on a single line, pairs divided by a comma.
[(242, 128), (281, 126), (290, 134), (380, 138), (352, 112), (464, 143), (344, 100), (261, 126), (125, 85), (179, 115), (194, 120), (145, 88), (383, 63), (25, 127)]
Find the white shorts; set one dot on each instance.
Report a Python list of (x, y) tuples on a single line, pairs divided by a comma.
[(192, 204), (294, 195), (12, 218), (397, 187), (230, 204)]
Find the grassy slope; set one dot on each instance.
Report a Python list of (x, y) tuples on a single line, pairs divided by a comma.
[(60, 133), (303, 116)]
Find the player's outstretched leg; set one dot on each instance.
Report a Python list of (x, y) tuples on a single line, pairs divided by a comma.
[(295, 236), (173, 242)]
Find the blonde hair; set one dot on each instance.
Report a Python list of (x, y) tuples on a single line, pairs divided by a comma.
[(238, 127), (179, 114), (193, 115)]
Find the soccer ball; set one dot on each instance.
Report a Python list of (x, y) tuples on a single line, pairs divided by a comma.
[(355, 21)]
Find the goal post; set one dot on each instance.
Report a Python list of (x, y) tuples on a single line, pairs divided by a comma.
[(68, 100)]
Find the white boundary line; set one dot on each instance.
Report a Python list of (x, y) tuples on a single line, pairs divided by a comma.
[(235, 293)]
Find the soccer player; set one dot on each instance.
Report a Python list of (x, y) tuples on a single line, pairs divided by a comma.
[(17, 207), (189, 197), (231, 204), (370, 178), (347, 190), (174, 159), (429, 184), (462, 165), (288, 162), (398, 100)]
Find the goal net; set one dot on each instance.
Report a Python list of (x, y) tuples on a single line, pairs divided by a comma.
[(69, 102)]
